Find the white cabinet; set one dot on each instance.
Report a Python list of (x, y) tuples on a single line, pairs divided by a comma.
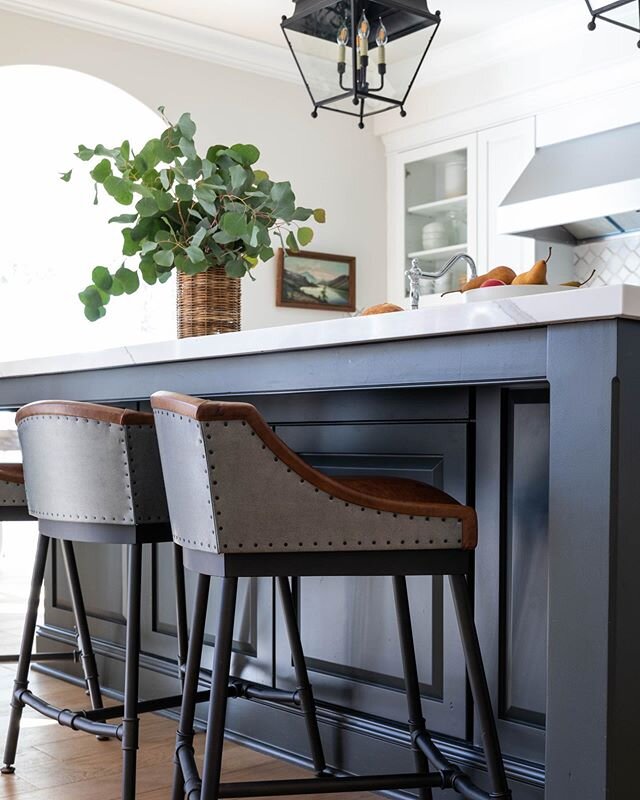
[(435, 210), (432, 212), (503, 153)]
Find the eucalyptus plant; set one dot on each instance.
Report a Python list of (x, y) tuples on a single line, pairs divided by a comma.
[(192, 212)]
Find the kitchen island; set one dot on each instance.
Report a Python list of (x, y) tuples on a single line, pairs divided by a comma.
[(525, 408)]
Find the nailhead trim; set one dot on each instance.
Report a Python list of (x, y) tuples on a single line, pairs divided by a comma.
[(129, 466)]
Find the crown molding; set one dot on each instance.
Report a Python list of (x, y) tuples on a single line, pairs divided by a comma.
[(163, 32)]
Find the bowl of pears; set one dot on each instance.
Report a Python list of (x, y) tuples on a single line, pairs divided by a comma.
[(504, 282)]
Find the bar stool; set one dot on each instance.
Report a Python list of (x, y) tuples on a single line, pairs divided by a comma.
[(13, 508), (93, 475), (242, 504)]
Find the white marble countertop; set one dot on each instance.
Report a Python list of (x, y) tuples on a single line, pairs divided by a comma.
[(436, 318)]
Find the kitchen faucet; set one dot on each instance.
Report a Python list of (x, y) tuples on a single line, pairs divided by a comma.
[(415, 274)]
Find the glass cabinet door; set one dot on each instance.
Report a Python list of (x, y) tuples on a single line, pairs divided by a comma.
[(436, 207), (432, 214)]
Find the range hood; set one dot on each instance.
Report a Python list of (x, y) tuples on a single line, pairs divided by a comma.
[(578, 190)]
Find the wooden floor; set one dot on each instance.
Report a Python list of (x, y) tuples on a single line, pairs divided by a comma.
[(55, 763)]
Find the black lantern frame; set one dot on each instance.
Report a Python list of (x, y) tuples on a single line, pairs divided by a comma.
[(322, 20), (604, 11)]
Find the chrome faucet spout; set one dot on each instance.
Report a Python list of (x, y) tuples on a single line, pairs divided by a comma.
[(415, 275)]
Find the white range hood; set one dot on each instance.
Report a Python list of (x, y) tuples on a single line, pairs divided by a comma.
[(577, 190)]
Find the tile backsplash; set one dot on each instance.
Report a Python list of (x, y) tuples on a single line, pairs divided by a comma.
[(616, 260)]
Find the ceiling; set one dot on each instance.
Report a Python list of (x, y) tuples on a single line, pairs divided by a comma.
[(259, 19)]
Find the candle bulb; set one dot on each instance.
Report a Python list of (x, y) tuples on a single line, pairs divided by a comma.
[(343, 41), (381, 41), (364, 29)]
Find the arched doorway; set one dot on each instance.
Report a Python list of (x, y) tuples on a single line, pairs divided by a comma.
[(53, 235)]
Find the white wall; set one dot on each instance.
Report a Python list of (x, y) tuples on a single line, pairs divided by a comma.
[(329, 162)]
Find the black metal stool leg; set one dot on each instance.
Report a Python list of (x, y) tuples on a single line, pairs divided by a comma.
[(22, 672), (479, 686), (304, 690), (88, 658), (185, 733), (219, 687), (130, 719), (412, 685), (182, 629)]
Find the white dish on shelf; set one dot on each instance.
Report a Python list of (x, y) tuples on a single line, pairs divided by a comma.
[(501, 292)]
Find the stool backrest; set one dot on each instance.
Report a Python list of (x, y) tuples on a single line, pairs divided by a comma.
[(233, 486), (91, 463)]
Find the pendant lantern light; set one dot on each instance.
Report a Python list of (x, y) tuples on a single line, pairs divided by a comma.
[(358, 57)]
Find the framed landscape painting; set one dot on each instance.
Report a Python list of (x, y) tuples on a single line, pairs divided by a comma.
[(316, 280)]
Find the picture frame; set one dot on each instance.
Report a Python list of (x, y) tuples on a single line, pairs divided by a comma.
[(328, 280)]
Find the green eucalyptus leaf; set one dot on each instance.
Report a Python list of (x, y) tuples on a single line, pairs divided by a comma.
[(198, 236), (240, 177), (94, 313), (192, 168), (163, 277), (148, 272), (66, 176), (184, 192), (247, 152), (194, 254), (116, 288), (129, 280), (234, 224), (119, 189), (84, 153), (124, 218), (305, 236), (164, 258), (320, 215), (208, 168), (187, 126), (266, 253), (102, 278), (101, 171), (125, 150), (260, 175), (302, 214), (164, 200), (91, 296), (236, 268), (187, 147), (129, 247), (222, 237), (148, 247), (147, 207), (292, 244)]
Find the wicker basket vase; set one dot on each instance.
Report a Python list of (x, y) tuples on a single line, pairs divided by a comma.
[(207, 303)]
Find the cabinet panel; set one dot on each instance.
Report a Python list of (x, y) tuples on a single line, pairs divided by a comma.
[(512, 561), (503, 153), (348, 624)]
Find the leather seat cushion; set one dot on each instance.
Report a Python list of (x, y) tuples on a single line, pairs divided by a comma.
[(11, 473), (404, 489)]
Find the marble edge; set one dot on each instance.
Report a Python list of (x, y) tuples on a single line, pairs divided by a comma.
[(443, 319)]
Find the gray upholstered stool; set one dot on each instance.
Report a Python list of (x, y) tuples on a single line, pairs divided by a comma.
[(243, 504), (13, 508), (13, 499), (92, 474)]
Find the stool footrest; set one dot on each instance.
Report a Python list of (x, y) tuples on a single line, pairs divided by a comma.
[(449, 777), (255, 691), (144, 706), (76, 720), (327, 785), (37, 658)]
